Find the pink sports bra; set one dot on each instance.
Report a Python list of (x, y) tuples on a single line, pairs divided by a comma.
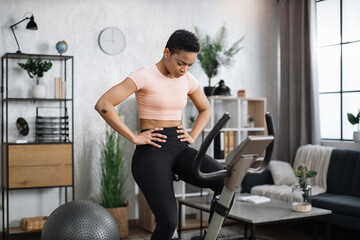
[(159, 97)]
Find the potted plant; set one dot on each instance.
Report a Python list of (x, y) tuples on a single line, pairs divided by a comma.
[(36, 69), (302, 192), (113, 179), (355, 120), (213, 54), (251, 122), (192, 119)]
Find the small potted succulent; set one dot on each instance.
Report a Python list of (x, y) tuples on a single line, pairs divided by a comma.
[(301, 192), (251, 122), (355, 120), (36, 69)]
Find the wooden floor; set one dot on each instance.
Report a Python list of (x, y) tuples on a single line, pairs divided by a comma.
[(284, 231)]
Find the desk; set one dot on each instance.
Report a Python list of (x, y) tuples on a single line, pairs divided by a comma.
[(261, 214)]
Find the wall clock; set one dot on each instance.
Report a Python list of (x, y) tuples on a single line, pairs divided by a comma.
[(112, 41)]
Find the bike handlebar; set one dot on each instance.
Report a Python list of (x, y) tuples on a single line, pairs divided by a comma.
[(202, 151), (269, 149), (224, 173)]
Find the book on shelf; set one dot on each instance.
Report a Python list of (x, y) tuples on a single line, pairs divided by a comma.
[(224, 143), (219, 146), (255, 199), (60, 88), (229, 142), (57, 87)]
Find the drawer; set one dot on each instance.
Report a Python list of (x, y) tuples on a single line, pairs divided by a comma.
[(40, 165)]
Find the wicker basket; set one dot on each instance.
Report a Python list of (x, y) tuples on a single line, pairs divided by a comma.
[(33, 224), (121, 217)]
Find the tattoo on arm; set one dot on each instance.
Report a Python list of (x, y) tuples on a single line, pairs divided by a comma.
[(103, 110)]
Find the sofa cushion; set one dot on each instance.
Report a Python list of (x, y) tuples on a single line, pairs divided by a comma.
[(280, 192), (343, 204), (344, 173), (254, 179), (317, 158), (282, 173), (355, 184)]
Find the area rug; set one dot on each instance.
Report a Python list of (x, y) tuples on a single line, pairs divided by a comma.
[(227, 233)]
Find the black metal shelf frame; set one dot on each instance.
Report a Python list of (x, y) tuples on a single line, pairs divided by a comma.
[(6, 100), (37, 99)]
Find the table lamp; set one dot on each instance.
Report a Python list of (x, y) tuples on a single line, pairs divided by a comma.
[(222, 89), (31, 26)]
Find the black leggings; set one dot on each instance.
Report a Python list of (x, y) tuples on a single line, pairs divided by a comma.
[(153, 170)]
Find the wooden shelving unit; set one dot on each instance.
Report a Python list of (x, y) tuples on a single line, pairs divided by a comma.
[(240, 110), (34, 164)]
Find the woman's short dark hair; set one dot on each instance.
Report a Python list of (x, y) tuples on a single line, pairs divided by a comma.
[(183, 40)]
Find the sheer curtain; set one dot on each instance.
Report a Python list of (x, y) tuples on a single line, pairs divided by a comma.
[(299, 100)]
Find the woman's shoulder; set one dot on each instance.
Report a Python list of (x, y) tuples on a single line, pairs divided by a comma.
[(193, 83), (144, 69), (141, 76), (190, 77)]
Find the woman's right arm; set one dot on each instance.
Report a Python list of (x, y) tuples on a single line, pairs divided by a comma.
[(106, 108)]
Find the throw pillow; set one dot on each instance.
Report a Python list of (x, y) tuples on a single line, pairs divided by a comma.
[(282, 173)]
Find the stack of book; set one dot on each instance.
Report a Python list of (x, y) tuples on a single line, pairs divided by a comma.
[(224, 143), (255, 199), (60, 88)]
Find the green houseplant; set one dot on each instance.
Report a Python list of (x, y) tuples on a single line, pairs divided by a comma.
[(214, 54), (36, 69), (113, 179), (355, 120), (251, 122), (192, 119), (302, 191)]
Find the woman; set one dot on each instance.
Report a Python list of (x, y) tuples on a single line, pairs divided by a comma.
[(162, 146)]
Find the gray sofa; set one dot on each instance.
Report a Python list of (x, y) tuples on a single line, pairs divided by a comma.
[(342, 194)]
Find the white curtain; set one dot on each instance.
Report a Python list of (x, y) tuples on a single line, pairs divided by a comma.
[(299, 99)]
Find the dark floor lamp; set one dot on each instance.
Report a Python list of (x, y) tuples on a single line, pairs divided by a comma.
[(31, 25)]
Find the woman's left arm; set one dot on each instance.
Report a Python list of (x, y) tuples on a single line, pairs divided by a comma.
[(202, 105)]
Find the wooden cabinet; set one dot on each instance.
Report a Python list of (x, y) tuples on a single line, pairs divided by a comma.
[(45, 158), (31, 166)]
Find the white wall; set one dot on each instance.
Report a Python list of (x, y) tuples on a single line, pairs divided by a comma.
[(147, 26)]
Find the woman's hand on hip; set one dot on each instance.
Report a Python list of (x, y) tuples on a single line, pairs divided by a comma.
[(149, 137), (185, 136)]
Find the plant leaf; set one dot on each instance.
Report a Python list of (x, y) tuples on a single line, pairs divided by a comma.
[(352, 119), (212, 52)]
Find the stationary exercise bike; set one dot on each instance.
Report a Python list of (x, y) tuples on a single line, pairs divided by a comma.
[(238, 163)]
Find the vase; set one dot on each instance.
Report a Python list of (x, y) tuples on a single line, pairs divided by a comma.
[(121, 217), (38, 91), (356, 136), (208, 91), (209, 197), (301, 198)]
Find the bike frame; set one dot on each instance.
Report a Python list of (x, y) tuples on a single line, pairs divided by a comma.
[(238, 163)]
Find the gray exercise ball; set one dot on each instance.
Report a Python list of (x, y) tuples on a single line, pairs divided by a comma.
[(80, 220)]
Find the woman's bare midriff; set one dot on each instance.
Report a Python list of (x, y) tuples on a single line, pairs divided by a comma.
[(151, 123)]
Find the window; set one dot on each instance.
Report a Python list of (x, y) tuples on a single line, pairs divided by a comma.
[(338, 41)]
